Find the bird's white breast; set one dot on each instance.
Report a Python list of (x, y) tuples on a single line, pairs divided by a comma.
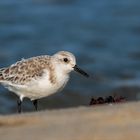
[(41, 87), (46, 88)]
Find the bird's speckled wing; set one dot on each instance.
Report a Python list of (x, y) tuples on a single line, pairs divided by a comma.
[(25, 70)]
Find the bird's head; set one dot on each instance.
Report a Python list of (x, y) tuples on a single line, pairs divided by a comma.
[(67, 62)]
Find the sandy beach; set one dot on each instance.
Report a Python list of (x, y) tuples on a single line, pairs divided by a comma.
[(107, 122)]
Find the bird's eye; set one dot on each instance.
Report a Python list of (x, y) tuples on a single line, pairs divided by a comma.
[(65, 59)]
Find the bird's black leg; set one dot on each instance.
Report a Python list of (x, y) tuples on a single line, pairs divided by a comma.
[(19, 103), (35, 103)]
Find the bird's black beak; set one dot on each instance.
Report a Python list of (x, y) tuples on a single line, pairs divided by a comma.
[(80, 71)]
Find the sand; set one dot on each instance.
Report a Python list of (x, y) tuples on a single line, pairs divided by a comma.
[(107, 122)]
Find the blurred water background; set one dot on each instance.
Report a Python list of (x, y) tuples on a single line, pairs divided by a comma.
[(103, 34)]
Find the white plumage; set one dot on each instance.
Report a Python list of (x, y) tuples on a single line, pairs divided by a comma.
[(39, 76)]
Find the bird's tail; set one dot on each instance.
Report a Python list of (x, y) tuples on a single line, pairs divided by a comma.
[(1, 75)]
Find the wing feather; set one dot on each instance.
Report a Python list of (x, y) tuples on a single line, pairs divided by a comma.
[(25, 70)]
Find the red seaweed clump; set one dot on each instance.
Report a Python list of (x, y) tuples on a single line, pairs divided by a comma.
[(107, 100)]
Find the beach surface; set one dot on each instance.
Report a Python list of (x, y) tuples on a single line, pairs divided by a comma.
[(106, 122)]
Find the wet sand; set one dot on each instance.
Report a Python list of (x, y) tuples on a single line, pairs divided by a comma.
[(107, 122)]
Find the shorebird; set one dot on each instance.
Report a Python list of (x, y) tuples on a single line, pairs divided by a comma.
[(39, 76)]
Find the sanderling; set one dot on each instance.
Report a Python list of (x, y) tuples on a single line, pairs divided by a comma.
[(40, 76)]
